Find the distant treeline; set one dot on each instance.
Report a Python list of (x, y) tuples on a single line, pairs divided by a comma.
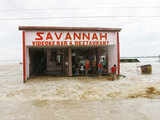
[(140, 57), (129, 60)]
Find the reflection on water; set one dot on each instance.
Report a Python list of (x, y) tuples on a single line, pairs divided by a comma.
[(87, 97)]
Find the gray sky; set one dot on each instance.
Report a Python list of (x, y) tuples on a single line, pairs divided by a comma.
[(140, 31)]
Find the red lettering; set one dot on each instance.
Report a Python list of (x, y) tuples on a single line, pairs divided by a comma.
[(93, 43), (39, 43), (83, 43), (86, 36), (49, 36), (107, 42), (61, 43), (68, 36), (50, 43), (70, 43), (86, 42), (58, 37), (97, 43), (53, 43), (75, 35), (58, 43), (65, 43), (33, 43), (42, 43), (39, 34), (94, 37), (104, 42), (46, 43), (76, 43), (103, 36)]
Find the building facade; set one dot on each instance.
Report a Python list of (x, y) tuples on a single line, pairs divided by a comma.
[(69, 51)]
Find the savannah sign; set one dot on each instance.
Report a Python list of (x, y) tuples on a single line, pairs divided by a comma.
[(70, 38)]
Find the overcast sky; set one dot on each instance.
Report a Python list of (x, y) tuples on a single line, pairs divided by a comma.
[(139, 20)]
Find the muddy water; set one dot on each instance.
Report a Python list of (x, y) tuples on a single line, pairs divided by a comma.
[(135, 97)]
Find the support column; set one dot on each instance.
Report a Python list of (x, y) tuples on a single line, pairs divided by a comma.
[(118, 54), (97, 55), (106, 49), (27, 63), (69, 62), (24, 58)]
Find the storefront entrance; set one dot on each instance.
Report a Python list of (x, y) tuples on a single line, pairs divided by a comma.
[(85, 61), (55, 61), (47, 61)]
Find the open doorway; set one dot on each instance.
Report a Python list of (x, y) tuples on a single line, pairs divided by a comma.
[(85, 61), (55, 61), (47, 61), (37, 58)]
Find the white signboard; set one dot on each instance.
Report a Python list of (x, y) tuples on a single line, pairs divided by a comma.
[(78, 38)]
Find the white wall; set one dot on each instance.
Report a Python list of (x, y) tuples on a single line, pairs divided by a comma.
[(112, 56), (27, 62)]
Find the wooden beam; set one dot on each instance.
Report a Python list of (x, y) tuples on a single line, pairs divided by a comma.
[(97, 55), (69, 62)]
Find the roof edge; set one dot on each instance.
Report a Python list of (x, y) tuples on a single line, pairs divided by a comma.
[(46, 28)]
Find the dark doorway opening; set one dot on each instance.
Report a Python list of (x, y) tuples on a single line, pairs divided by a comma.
[(56, 58), (85, 61), (37, 61), (47, 61)]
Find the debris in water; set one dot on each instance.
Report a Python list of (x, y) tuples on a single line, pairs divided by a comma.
[(146, 69), (114, 94), (40, 103), (150, 92)]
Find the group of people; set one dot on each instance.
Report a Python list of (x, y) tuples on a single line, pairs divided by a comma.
[(84, 68), (91, 66)]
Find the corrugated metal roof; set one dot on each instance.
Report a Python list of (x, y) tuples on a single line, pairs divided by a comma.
[(54, 28)]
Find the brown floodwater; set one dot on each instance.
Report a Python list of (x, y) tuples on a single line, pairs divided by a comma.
[(135, 97)]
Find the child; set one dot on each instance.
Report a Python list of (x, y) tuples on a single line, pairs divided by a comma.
[(113, 70), (82, 69)]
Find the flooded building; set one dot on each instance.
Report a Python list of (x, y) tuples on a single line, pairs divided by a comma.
[(69, 51)]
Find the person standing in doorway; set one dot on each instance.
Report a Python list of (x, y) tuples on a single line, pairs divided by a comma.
[(99, 68), (87, 66), (104, 65), (82, 69)]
